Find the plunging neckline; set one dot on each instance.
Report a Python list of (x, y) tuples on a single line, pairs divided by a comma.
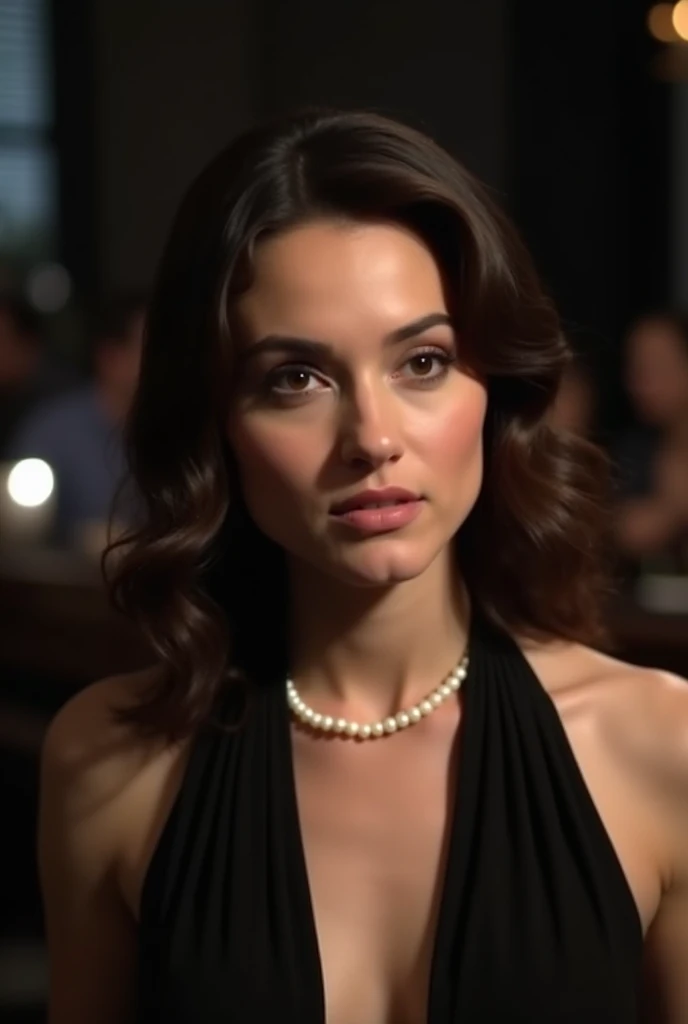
[(453, 860)]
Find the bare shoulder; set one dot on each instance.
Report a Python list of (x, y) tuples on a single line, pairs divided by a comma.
[(649, 707), (572, 672), (104, 787), (641, 712), (94, 767), (85, 743)]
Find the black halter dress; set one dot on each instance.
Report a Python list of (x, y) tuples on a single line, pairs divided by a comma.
[(537, 923)]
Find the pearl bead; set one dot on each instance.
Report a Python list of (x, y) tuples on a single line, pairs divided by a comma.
[(309, 714), (340, 724), (377, 730), (316, 720), (402, 720), (390, 725), (327, 722), (365, 731), (446, 690), (415, 715), (435, 700), (425, 707), (352, 729)]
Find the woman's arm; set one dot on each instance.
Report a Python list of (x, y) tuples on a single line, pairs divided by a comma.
[(91, 935), (666, 946)]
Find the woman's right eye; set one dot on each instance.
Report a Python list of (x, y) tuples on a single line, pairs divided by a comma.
[(292, 381)]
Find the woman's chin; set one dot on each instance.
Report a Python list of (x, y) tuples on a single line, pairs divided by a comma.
[(383, 568)]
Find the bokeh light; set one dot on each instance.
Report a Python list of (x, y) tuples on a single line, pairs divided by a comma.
[(680, 19), (49, 287), (30, 482), (660, 22)]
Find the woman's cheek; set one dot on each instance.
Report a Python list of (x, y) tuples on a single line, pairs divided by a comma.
[(451, 437), (273, 459)]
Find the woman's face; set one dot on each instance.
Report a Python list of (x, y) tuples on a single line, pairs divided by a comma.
[(349, 380), (657, 372)]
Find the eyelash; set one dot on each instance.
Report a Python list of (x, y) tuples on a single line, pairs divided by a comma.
[(444, 358)]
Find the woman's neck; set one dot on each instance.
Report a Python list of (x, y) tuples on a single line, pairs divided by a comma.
[(368, 652)]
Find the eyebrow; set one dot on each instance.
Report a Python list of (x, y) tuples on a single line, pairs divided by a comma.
[(288, 343)]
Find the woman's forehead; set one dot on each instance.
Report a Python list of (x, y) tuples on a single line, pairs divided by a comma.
[(336, 278)]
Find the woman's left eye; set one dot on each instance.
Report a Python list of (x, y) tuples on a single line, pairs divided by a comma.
[(427, 366)]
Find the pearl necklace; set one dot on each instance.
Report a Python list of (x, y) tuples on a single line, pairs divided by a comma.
[(386, 726)]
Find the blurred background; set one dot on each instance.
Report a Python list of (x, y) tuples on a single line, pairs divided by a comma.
[(577, 122)]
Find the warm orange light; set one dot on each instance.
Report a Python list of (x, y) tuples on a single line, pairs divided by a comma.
[(680, 19), (660, 22)]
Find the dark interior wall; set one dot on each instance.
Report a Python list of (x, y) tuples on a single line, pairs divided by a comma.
[(173, 83), (563, 156), (589, 166), (679, 193), (441, 66)]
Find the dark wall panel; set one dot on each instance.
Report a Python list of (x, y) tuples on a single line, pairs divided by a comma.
[(173, 83), (442, 66)]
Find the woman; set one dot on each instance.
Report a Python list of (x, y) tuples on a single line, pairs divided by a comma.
[(340, 438), (653, 457)]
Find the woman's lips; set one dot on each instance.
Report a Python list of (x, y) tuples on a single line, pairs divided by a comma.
[(380, 518)]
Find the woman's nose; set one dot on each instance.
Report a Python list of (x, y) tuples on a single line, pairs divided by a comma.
[(369, 432)]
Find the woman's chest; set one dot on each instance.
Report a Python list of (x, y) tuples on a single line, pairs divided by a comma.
[(375, 827)]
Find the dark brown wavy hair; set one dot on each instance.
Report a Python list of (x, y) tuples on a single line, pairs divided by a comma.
[(207, 588)]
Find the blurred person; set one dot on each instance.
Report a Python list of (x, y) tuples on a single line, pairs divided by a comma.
[(379, 773), (574, 406), (652, 457), (28, 376), (79, 434)]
